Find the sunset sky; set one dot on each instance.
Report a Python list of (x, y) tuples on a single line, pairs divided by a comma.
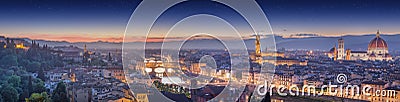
[(105, 20)]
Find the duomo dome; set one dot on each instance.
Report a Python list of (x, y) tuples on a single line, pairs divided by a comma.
[(377, 43)]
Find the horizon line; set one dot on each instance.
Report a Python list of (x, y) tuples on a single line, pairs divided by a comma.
[(120, 40)]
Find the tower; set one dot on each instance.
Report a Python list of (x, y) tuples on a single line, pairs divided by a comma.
[(341, 51), (86, 54), (334, 52), (84, 48), (257, 43), (109, 57), (348, 54), (258, 50)]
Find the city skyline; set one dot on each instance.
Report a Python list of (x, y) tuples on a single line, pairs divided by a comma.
[(199, 50)]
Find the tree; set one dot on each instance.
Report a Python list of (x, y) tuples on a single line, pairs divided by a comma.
[(1, 99), (2, 44), (9, 94), (39, 97), (60, 93), (33, 66), (14, 81), (38, 86), (41, 75), (9, 60)]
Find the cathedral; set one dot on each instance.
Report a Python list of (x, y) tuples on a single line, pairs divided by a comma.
[(377, 50)]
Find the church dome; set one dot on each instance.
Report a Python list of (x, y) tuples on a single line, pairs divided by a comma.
[(377, 43)]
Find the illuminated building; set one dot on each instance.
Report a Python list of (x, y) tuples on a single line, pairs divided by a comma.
[(16, 43), (348, 54), (377, 50), (283, 79), (86, 54), (355, 55), (341, 55), (20, 46), (196, 67), (375, 85), (258, 56), (286, 61), (73, 77), (154, 67), (333, 53), (258, 46), (117, 73), (313, 82)]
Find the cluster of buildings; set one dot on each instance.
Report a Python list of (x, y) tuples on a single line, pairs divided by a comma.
[(377, 50), (272, 57), (74, 54), (17, 43), (87, 83), (90, 76), (378, 75), (95, 84), (374, 67)]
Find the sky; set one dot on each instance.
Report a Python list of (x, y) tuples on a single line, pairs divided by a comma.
[(105, 20)]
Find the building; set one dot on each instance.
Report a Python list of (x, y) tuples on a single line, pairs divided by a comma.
[(94, 88), (283, 79), (86, 54), (54, 77), (116, 72), (375, 85), (286, 61), (69, 53), (377, 50), (272, 57), (333, 53), (355, 55), (341, 55), (17, 43)]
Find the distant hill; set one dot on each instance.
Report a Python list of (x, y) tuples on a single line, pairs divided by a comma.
[(359, 42), (354, 42), (90, 45)]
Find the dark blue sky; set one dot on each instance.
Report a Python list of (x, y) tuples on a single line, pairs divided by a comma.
[(66, 19), (333, 16)]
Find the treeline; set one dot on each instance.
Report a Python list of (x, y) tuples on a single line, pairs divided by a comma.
[(16, 67)]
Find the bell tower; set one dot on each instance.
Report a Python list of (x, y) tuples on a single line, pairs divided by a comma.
[(341, 51), (258, 47)]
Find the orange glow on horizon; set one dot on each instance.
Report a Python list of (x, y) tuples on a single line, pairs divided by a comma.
[(68, 38)]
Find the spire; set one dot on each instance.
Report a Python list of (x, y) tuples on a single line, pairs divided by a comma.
[(378, 34), (257, 43), (84, 48), (109, 56)]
